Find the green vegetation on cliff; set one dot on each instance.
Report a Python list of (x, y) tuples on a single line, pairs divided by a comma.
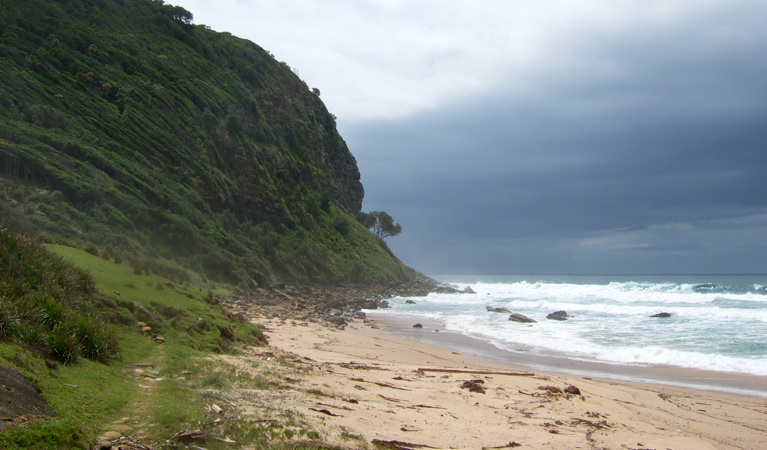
[(129, 131)]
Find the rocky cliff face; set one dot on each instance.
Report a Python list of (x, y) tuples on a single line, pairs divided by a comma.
[(127, 128)]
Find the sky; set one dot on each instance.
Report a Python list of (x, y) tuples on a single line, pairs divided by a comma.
[(542, 137)]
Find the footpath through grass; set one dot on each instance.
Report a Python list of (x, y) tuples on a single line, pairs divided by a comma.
[(153, 381)]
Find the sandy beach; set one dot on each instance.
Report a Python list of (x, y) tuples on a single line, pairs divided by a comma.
[(365, 385)]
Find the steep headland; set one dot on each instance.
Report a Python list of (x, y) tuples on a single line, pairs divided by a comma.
[(128, 130)]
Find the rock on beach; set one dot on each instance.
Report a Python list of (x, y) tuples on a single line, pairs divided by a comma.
[(521, 318), (558, 315)]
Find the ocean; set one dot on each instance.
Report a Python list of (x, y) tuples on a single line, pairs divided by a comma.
[(718, 322)]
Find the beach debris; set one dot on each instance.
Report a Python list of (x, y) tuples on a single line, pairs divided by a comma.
[(121, 443), (398, 445), (357, 366), (225, 440), (474, 386), (476, 372), (597, 425), (521, 318), (663, 315), (498, 310), (318, 392), (408, 428), (325, 411), (572, 390), (425, 406), (550, 389), (389, 399), (190, 436), (558, 315), (345, 408), (378, 383), (511, 444), (418, 325), (390, 386), (214, 408)]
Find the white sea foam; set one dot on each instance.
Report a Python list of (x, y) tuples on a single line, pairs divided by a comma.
[(714, 325)]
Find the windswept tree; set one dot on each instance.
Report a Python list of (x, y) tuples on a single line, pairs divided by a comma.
[(381, 223)]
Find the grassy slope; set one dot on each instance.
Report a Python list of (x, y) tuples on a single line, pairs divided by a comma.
[(90, 395), (125, 128)]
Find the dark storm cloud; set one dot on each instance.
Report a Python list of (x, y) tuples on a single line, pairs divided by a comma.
[(672, 144)]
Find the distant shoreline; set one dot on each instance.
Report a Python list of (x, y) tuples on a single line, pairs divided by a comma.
[(726, 382)]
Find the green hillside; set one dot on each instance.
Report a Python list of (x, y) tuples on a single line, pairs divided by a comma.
[(128, 131), (104, 345)]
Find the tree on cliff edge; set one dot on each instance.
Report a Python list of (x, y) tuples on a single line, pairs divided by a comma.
[(381, 223)]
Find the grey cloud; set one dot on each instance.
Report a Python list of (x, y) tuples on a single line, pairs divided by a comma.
[(516, 172)]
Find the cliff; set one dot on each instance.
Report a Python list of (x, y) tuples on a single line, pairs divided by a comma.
[(129, 131)]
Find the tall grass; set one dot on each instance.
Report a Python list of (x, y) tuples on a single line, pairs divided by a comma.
[(47, 304)]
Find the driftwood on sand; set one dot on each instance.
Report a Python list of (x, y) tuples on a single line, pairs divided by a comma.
[(477, 372)]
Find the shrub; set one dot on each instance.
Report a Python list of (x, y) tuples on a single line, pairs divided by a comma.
[(96, 341), (63, 346), (9, 320), (47, 303)]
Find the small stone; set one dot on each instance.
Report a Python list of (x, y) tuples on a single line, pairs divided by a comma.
[(109, 435), (418, 325)]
